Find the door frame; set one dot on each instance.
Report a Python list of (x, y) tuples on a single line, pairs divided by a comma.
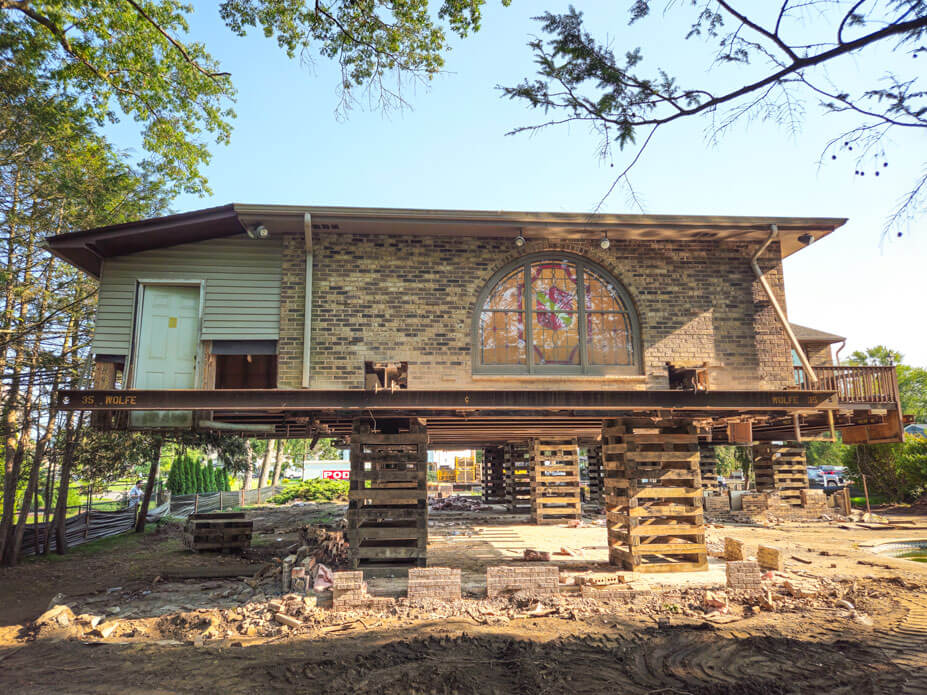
[(140, 285)]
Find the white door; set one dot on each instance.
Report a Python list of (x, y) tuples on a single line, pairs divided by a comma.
[(165, 353)]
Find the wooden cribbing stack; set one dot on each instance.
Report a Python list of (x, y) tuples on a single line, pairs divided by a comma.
[(708, 467), (555, 481), (782, 469), (223, 531), (517, 478), (594, 467), (653, 496), (387, 502), (494, 475)]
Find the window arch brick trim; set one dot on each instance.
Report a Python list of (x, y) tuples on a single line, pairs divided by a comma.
[(586, 259)]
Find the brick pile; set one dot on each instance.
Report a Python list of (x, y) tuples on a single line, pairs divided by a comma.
[(536, 580), (349, 590), (744, 575), (733, 549), (434, 583), (754, 503), (814, 499), (716, 504), (770, 558)]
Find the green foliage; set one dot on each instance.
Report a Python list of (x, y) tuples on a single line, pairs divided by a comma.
[(315, 490), (225, 486), (912, 381), (174, 480), (896, 471), (825, 453), (733, 458)]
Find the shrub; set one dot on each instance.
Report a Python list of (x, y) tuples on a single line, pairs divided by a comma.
[(316, 490)]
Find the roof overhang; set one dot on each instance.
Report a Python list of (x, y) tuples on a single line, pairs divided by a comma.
[(86, 249)]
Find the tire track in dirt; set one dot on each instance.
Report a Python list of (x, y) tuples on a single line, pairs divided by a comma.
[(906, 644)]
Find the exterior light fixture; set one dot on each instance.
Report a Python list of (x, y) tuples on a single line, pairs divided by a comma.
[(258, 232), (605, 243), (519, 241), (806, 238)]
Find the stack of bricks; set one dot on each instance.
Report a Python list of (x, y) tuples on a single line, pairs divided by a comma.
[(348, 588), (814, 500), (494, 475), (535, 580), (744, 575), (716, 504), (435, 583), (770, 558), (754, 503), (733, 549)]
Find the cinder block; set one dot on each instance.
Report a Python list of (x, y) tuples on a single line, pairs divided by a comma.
[(770, 558), (733, 549)]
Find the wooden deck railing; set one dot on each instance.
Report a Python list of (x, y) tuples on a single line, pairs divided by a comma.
[(853, 384)]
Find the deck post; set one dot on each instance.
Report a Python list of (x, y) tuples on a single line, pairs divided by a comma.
[(594, 468), (493, 475), (517, 482)]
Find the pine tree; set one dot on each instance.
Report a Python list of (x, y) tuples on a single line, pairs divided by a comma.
[(210, 476), (188, 476), (197, 476), (226, 484)]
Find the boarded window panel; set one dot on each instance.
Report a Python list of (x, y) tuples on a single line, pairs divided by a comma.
[(608, 339), (502, 337), (246, 371)]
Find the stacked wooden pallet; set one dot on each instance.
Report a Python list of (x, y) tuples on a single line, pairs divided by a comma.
[(517, 478), (494, 475), (223, 531), (708, 467), (653, 496), (387, 508), (594, 468), (783, 469), (555, 481)]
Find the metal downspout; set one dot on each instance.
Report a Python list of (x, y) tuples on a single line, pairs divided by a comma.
[(774, 232), (307, 307)]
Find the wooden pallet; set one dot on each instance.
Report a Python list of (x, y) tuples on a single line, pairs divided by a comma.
[(708, 467), (554, 475), (228, 531), (653, 496), (782, 469), (595, 472), (494, 475), (387, 502), (517, 478)]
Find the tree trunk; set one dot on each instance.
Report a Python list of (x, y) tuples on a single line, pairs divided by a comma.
[(265, 464), (153, 472), (277, 464), (61, 507), (249, 471)]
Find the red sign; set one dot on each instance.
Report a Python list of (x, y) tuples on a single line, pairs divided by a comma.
[(336, 475)]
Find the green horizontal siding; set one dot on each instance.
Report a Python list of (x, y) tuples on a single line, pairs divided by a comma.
[(242, 278)]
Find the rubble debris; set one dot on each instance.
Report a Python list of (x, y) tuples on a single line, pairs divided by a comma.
[(325, 546), (531, 555), (457, 503)]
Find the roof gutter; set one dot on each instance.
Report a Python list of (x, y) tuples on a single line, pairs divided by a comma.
[(773, 234)]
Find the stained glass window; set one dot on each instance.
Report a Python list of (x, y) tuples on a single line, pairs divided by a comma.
[(556, 314)]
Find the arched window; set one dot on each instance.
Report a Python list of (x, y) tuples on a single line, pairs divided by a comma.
[(555, 314)]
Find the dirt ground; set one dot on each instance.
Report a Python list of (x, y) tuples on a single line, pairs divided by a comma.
[(858, 624)]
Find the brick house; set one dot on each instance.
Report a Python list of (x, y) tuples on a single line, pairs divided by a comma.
[(447, 328)]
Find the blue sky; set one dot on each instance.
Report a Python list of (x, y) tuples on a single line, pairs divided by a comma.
[(450, 151)]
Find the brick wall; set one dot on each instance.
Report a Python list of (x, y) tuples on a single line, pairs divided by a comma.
[(819, 354), (412, 298)]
